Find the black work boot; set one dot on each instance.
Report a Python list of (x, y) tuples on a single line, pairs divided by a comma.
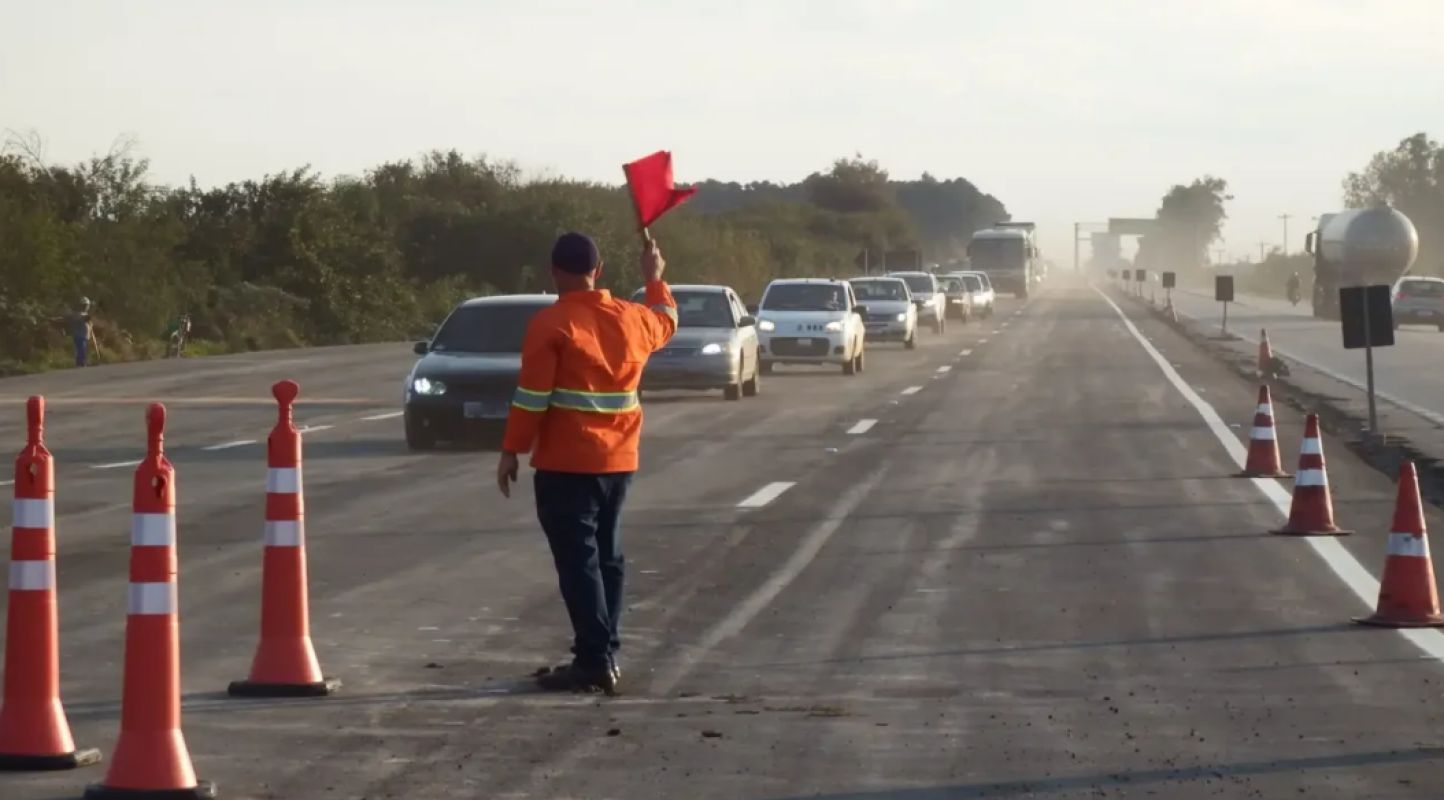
[(572, 678)]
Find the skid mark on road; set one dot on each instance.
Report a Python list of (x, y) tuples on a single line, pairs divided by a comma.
[(766, 494), (1340, 560), (862, 426)]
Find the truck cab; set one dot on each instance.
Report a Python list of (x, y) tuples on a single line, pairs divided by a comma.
[(1007, 255)]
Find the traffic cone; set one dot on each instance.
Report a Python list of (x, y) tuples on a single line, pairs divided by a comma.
[(151, 758), (1407, 595), (1312, 510), (285, 662), (34, 734), (1263, 446), (1265, 354)]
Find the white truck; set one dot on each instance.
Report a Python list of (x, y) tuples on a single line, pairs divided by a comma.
[(1008, 254)]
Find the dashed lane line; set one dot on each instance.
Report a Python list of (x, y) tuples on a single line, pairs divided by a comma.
[(943, 370), (861, 426), (766, 494), (229, 445), (912, 390), (315, 428), (965, 352), (982, 341), (1335, 555), (387, 415)]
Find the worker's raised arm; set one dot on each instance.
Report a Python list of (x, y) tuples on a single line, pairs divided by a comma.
[(534, 386), (662, 319)]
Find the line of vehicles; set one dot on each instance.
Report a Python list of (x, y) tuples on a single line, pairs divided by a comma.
[(466, 374)]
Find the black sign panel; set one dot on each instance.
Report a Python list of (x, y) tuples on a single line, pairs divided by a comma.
[(1223, 288), (1170, 280), (1140, 275), (1379, 331)]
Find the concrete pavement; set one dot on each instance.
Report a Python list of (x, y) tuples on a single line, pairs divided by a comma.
[(1027, 576)]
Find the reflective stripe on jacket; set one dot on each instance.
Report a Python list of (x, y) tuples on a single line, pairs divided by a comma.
[(576, 407)]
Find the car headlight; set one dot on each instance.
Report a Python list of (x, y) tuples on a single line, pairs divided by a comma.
[(427, 386), (711, 349), (766, 325), (903, 317), (833, 327)]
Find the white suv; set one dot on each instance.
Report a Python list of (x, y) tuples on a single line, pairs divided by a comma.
[(810, 321)]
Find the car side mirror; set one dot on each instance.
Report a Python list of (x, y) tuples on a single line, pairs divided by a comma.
[(747, 321), (860, 309), (752, 309), (421, 348)]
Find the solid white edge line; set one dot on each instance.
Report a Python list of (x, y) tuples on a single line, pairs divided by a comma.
[(766, 494), (861, 426), (1335, 555), (116, 465), (387, 415), (912, 390), (229, 445), (315, 428)]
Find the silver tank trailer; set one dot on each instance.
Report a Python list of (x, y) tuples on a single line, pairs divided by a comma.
[(1369, 246)]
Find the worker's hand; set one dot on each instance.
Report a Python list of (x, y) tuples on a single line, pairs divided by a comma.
[(506, 469), (653, 265)]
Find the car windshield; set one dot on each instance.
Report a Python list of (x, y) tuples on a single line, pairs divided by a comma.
[(703, 310), (996, 253), (950, 284), (971, 283), (920, 284), (1422, 288), (880, 290), (485, 328), (805, 297)]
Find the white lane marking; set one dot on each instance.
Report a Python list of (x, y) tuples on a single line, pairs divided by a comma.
[(965, 352), (315, 428), (1339, 559), (766, 494), (743, 613), (862, 426), (944, 370), (912, 390), (116, 465), (982, 341), (997, 331), (229, 445), (387, 415), (6, 483)]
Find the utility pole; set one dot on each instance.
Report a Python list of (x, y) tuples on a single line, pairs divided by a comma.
[(1285, 218), (1076, 228), (1261, 252)]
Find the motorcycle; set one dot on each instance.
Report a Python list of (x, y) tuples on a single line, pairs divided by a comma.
[(1295, 295)]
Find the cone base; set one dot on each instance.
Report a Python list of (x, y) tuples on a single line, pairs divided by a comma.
[(1292, 532), (52, 763), (1247, 474), (204, 790), (254, 689), (1431, 621)]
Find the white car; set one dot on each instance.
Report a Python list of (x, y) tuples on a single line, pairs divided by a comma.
[(984, 298), (928, 295), (810, 321)]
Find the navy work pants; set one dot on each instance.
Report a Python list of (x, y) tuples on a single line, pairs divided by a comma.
[(582, 518)]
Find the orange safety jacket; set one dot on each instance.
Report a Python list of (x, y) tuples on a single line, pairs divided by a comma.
[(576, 407)]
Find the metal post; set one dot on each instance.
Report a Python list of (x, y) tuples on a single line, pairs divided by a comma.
[(1076, 233), (1225, 318), (1369, 367)]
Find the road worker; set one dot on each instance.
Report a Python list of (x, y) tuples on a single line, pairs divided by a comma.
[(576, 411)]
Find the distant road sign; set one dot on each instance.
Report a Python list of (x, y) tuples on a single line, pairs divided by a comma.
[(1223, 288), (1129, 226), (1170, 280)]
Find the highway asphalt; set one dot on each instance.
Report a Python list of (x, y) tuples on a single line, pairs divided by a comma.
[(1007, 564)]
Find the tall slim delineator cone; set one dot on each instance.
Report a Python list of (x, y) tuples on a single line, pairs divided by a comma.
[(34, 733), (1408, 597), (285, 663), (1265, 354), (151, 759), (1263, 445), (1312, 510)]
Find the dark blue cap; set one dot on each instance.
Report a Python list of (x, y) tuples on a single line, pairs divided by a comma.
[(576, 254)]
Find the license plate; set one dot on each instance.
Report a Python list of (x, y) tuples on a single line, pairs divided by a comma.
[(806, 342), (476, 409)]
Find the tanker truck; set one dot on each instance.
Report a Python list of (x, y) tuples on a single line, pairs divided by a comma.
[(1358, 247)]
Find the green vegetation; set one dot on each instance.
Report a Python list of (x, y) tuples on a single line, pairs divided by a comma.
[(1410, 178), (292, 258), (1190, 218)]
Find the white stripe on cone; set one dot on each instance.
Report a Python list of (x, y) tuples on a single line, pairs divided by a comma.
[(1262, 434), (283, 480), (152, 530), (1310, 477), (1311, 447), (31, 576), (152, 598), (1264, 408), (285, 533), (1407, 544), (32, 513)]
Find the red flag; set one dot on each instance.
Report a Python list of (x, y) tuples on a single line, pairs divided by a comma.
[(650, 181)]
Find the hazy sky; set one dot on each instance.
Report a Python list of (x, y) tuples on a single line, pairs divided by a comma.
[(1065, 110)]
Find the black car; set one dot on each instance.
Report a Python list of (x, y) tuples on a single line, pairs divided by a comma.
[(467, 373)]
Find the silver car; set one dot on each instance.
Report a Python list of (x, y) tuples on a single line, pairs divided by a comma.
[(928, 295), (1419, 301), (891, 314), (715, 346)]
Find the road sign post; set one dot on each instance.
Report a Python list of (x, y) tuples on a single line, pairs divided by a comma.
[(1366, 317), (1223, 293), (1170, 279)]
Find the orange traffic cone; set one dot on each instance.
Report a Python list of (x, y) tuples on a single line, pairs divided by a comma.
[(285, 663), (34, 734), (1265, 354), (1407, 596), (1312, 510), (1263, 446), (151, 758)]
